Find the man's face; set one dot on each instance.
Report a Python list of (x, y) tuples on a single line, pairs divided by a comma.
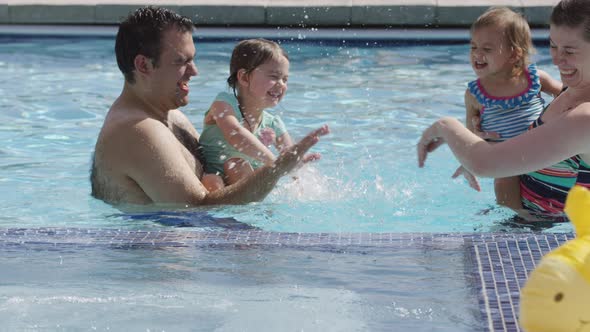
[(176, 67)]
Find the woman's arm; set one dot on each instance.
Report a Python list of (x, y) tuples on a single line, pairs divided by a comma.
[(543, 146)]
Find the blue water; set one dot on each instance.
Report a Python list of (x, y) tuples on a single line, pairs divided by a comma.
[(242, 289), (54, 95)]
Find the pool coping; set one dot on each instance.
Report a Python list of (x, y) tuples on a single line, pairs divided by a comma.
[(277, 13)]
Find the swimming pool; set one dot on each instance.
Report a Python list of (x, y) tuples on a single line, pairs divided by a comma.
[(377, 99), (55, 93)]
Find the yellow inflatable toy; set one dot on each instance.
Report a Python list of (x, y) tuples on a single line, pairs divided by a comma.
[(556, 297)]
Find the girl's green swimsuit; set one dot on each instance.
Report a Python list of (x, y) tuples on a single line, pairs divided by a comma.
[(216, 149)]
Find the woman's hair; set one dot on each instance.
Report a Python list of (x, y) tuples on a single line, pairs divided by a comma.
[(251, 53), (572, 14), (516, 31), (141, 33)]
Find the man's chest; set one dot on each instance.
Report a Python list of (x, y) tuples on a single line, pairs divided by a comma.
[(190, 149)]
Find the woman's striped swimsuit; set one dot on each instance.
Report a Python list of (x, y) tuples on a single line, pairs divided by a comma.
[(543, 192)]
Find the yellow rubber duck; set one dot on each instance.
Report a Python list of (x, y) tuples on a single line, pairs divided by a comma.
[(556, 297)]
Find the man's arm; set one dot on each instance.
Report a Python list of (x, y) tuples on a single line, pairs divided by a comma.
[(156, 162), (255, 187), (159, 164)]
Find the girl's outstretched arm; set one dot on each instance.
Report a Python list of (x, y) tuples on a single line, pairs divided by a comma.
[(238, 136)]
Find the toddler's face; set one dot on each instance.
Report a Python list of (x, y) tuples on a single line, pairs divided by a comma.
[(490, 53), (268, 82)]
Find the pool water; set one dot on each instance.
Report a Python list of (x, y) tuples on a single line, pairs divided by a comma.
[(55, 93), (410, 285)]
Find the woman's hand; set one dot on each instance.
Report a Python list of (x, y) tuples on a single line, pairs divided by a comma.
[(471, 179), (429, 142)]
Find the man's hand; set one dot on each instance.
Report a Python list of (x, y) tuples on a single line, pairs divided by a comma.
[(291, 156)]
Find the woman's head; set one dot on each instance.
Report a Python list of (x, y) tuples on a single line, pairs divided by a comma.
[(514, 31), (573, 14), (570, 41), (250, 54)]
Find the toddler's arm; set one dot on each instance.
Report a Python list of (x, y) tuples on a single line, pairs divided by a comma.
[(238, 136), (472, 123), (473, 118), (283, 142), (549, 85), (472, 108)]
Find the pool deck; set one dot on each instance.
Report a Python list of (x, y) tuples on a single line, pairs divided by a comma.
[(275, 13)]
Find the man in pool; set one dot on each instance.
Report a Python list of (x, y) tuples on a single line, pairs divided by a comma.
[(148, 150)]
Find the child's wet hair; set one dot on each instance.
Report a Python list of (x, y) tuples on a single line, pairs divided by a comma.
[(251, 53), (515, 28), (572, 14)]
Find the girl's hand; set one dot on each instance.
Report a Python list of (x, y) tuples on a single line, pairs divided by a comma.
[(290, 157), (487, 135), (267, 136)]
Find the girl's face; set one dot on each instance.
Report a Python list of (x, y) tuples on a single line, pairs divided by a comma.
[(571, 54), (490, 54), (267, 84)]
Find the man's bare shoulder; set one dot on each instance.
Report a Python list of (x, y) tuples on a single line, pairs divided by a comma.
[(127, 136), (123, 146)]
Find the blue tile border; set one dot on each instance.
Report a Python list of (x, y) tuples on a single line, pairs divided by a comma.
[(26, 237), (501, 266)]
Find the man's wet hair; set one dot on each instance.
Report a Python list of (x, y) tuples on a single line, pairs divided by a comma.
[(141, 33)]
